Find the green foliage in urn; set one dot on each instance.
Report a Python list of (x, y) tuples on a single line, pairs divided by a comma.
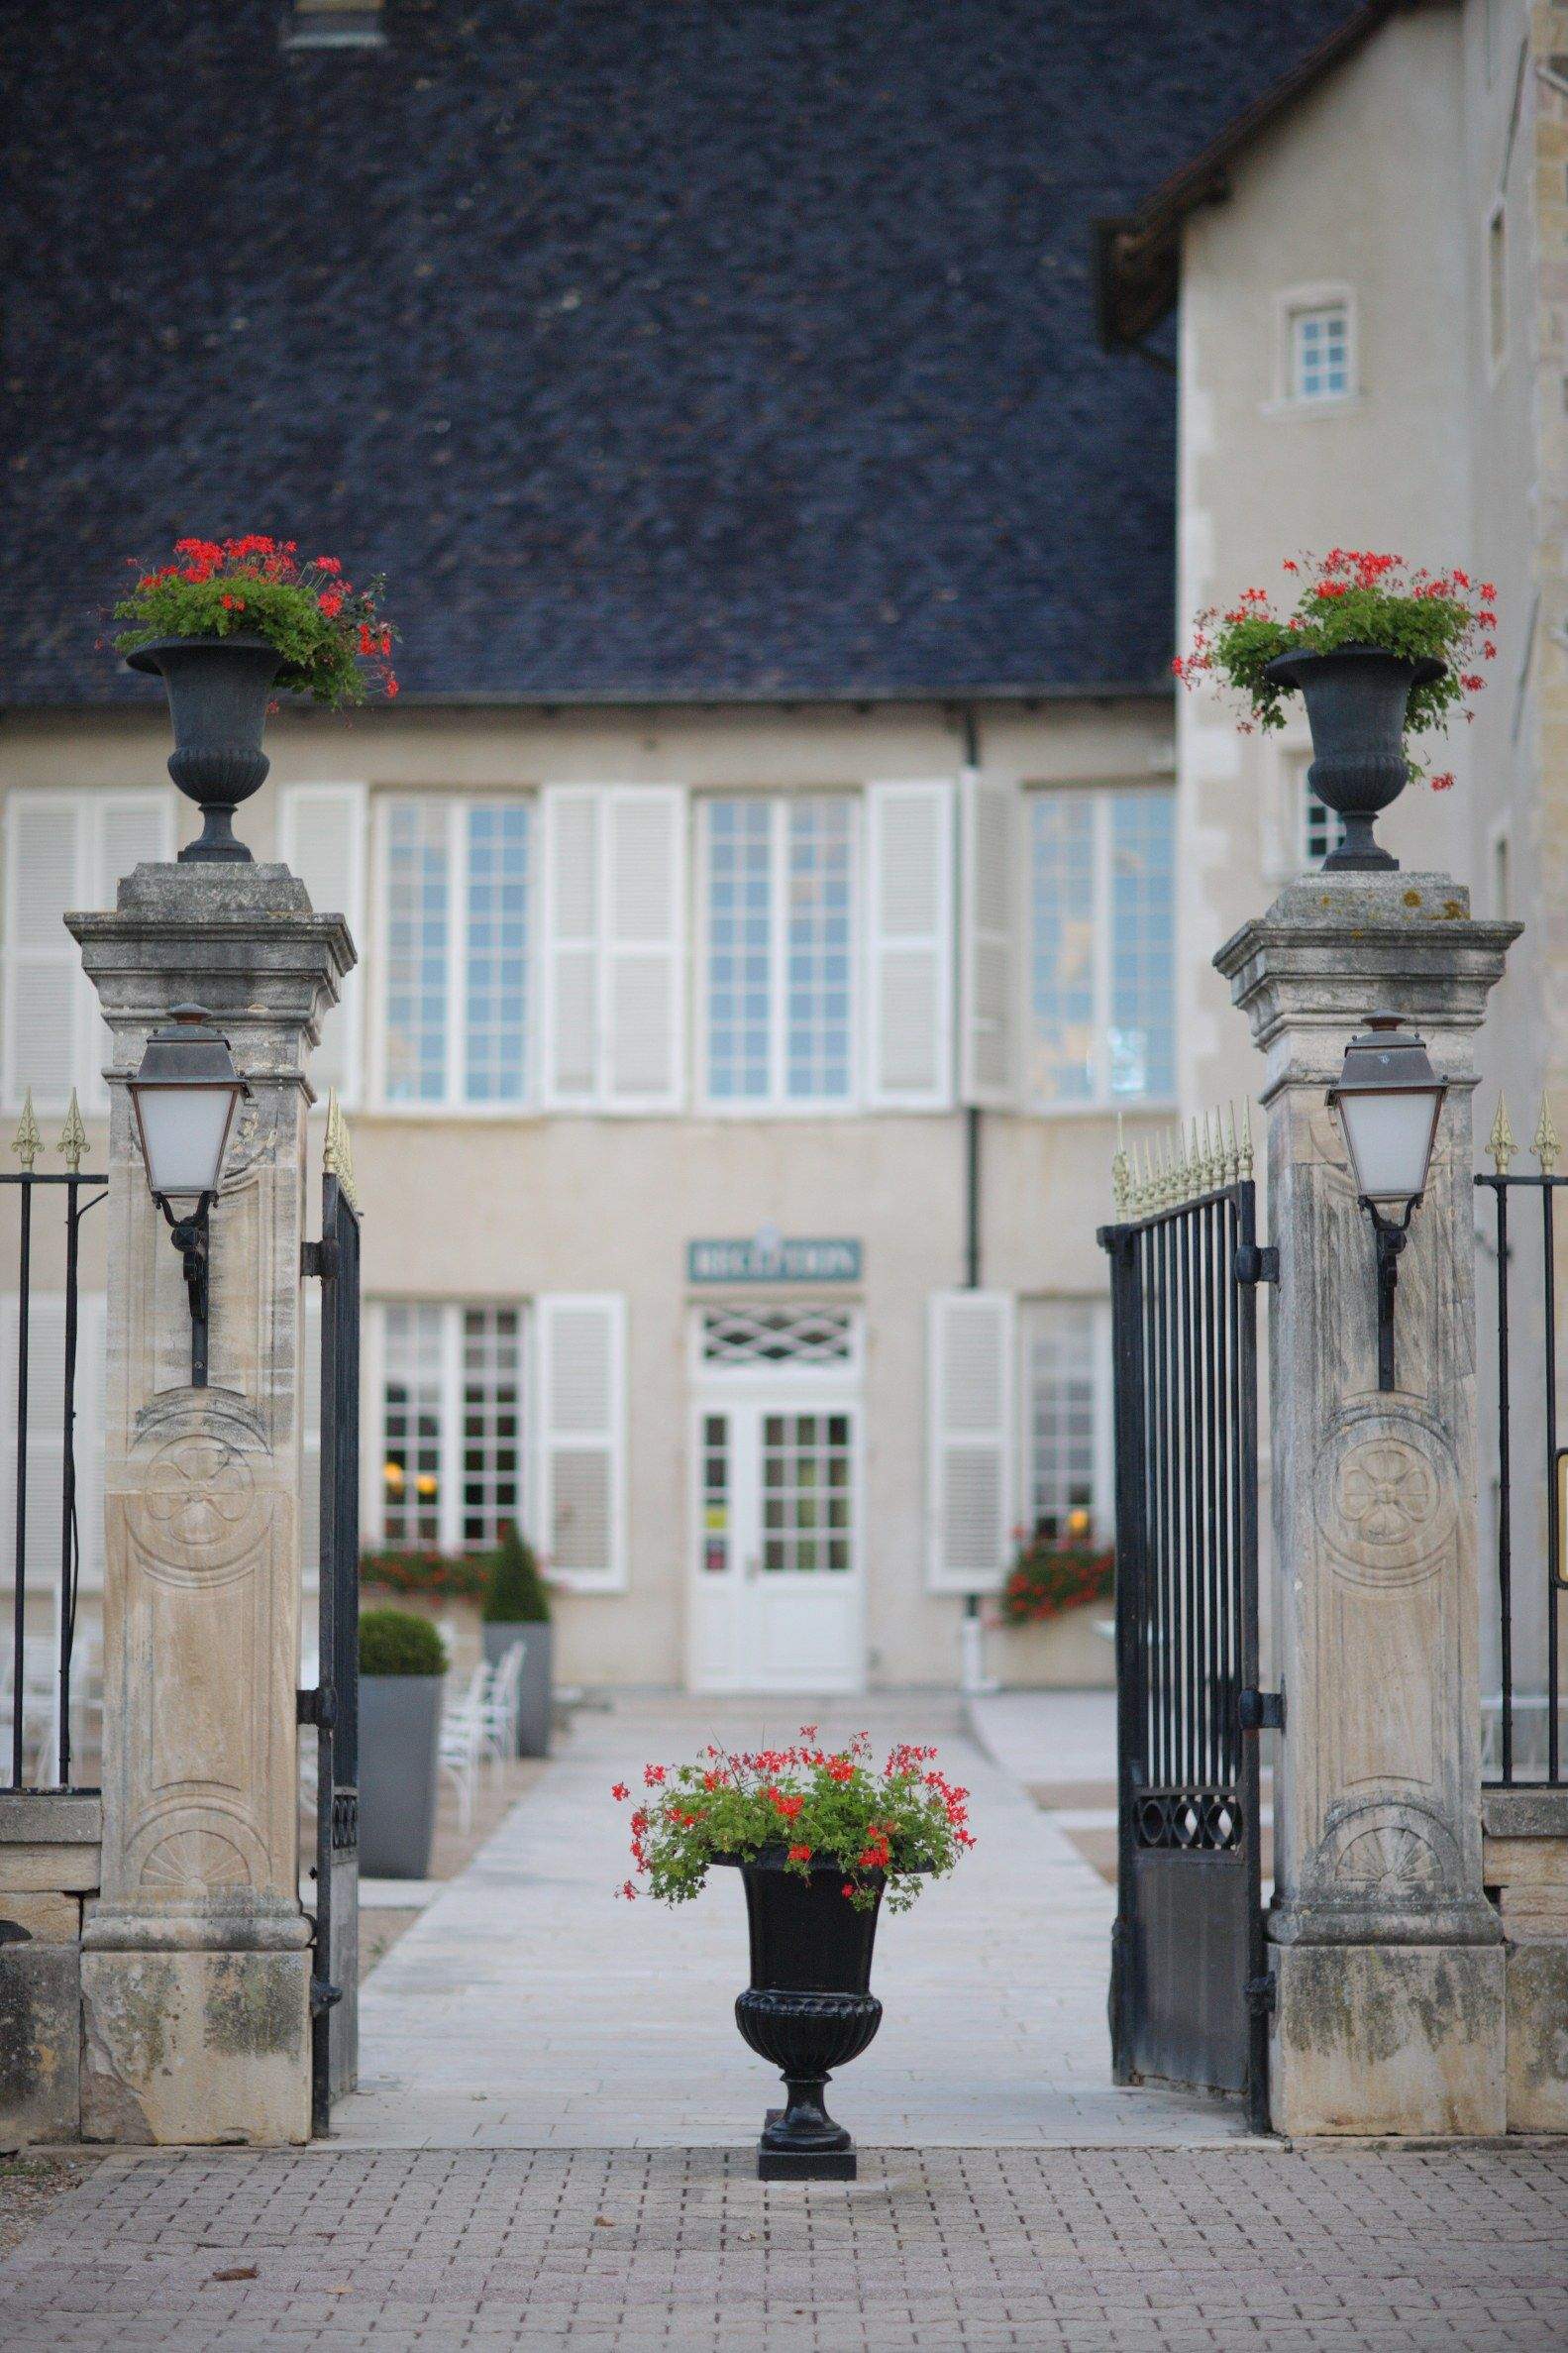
[(396, 1643), (330, 634), (514, 1590), (805, 1805)]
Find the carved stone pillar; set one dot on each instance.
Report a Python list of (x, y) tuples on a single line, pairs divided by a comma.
[(195, 1972), (1387, 1959)]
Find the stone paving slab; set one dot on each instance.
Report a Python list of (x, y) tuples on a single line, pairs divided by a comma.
[(953, 2251), (527, 2007)]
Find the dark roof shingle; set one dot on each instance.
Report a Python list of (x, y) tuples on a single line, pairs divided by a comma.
[(668, 349)]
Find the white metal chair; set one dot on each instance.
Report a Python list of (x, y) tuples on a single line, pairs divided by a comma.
[(462, 1741), (502, 1700)]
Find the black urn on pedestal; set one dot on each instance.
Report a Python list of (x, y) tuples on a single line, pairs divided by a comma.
[(808, 2008), (218, 690), (1357, 698)]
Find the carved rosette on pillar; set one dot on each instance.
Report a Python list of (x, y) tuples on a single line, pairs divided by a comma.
[(1386, 1956), (196, 1961)]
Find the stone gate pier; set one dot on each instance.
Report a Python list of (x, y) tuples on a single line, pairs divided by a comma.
[(1387, 1959), (195, 1967)]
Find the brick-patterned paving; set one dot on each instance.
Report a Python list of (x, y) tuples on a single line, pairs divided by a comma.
[(622, 2250)]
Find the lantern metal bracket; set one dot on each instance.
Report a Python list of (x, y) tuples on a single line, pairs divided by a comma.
[(1391, 1235), (191, 1238)]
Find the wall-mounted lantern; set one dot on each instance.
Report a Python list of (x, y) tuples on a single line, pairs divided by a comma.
[(184, 1097), (1389, 1099)]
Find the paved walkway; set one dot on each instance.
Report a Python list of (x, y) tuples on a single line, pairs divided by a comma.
[(668, 2251), (528, 2008)]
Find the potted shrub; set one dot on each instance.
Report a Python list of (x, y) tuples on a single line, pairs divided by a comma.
[(402, 1666), (819, 1838), (228, 624), (516, 1608), (1379, 652)]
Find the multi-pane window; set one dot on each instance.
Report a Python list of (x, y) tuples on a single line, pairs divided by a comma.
[(1323, 830), (1321, 352), (778, 891), (1102, 946), (1061, 1386), (451, 1429), (456, 953), (806, 1493)]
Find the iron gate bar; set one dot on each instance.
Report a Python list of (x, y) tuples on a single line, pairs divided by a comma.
[(26, 1180), (1500, 1185), (1189, 1985)]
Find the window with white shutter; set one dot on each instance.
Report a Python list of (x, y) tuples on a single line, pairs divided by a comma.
[(1102, 1022), (614, 947), (66, 850), (455, 950), (910, 947), (780, 936), (990, 871), (1066, 1417), (579, 1490), (450, 1424), (322, 836), (969, 1372)]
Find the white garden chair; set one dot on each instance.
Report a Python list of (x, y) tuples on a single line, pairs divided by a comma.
[(502, 1700), (462, 1741)]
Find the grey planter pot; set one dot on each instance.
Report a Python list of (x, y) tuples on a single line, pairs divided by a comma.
[(399, 1748), (535, 1697)]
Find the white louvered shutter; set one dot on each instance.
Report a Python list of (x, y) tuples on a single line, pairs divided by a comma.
[(910, 947), (127, 830), (579, 1385), (644, 963), (989, 864), (44, 980), (572, 817), (970, 1369), (310, 1439), (322, 836)]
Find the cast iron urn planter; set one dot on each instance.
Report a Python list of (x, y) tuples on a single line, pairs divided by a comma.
[(1356, 702), (218, 690), (808, 2008)]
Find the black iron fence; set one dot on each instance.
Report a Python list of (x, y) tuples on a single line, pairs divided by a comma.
[(1189, 1984), (1527, 1499), (36, 1694)]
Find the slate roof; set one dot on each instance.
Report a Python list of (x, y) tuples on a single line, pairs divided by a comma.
[(704, 349)]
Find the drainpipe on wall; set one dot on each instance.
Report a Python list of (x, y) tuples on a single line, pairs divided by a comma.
[(972, 1678)]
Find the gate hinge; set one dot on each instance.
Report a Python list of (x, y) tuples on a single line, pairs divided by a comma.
[(319, 1258), (318, 1707), (1257, 1262), (1262, 1711), (323, 1995), (1263, 1994)]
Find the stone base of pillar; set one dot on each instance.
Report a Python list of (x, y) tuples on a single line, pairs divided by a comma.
[(181, 2046), (1396, 2039), (1537, 2038)]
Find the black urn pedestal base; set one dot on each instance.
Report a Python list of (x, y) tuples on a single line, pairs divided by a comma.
[(778, 2163), (805, 2032)]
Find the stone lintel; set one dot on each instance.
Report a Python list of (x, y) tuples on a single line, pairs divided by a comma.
[(1525, 1813), (1334, 947), (51, 1817)]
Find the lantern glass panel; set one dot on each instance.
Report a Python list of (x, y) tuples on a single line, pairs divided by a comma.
[(1390, 1135), (184, 1131)]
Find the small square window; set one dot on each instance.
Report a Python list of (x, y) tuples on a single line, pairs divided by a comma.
[(1319, 348)]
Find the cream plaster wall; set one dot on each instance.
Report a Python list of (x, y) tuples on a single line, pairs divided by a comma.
[(465, 1207)]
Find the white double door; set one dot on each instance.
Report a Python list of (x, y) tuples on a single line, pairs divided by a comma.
[(777, 1589)]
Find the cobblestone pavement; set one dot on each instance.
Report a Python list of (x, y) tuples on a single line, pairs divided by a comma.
[(638, 2251)]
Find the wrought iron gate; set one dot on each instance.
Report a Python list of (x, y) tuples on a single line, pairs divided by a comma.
[(1189, 1989), (334, 1706)]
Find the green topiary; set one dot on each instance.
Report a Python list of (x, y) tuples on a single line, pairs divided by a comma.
[(396, 1643), (514, 1590)]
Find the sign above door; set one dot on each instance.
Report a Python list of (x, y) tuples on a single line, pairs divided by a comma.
[(768, 1257)]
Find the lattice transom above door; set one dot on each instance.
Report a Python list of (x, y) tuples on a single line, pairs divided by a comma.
[(780, 1335)]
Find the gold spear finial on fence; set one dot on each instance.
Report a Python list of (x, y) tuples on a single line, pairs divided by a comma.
[(1179, 1169), (1120, 1178), (73, 1136), (1245, 1157), (1544, 1143), (27, 1143), (337, 1152), (1233, 1149), (1500, 1143)]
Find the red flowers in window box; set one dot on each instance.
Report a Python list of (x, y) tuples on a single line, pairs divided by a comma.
[(332, 638), (1049, 1577)]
